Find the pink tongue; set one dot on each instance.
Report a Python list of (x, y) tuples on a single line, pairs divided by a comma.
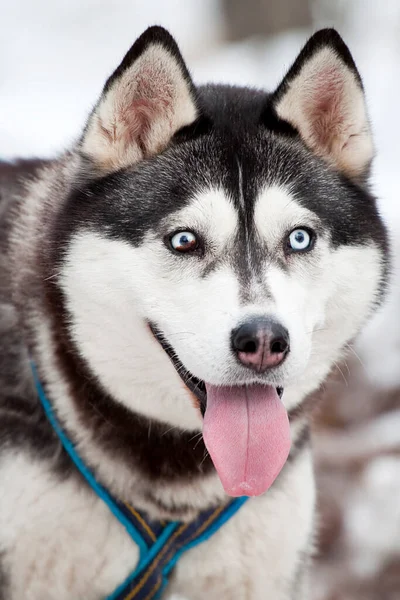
[(246, 431)]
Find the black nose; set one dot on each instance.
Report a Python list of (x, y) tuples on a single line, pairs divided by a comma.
[(260, 343)]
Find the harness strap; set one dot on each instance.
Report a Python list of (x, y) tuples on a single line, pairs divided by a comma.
[(149, 530), (149, 581), (160, 543)]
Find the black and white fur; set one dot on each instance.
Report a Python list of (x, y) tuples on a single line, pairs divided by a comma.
[(85, 268)]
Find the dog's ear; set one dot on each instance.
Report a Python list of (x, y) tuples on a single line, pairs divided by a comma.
[(322, 97), (144, 103)]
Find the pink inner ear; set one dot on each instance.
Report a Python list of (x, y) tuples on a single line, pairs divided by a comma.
[(140, 110), (151, 99), (325, 102), (137, 118), (325, 105)]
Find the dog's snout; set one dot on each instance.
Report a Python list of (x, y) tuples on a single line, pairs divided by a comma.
[(260, 344)]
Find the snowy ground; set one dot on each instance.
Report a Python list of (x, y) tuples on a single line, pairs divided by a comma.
[(54, 58)]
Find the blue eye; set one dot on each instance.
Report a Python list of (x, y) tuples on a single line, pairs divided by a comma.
[(184, 241), (300, 240)]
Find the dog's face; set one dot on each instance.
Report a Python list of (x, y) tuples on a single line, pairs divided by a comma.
[(223, 238)]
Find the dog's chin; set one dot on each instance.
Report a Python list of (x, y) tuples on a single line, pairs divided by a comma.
[(196, 386)]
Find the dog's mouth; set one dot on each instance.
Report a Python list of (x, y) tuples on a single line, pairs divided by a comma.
[(195, 385), (245, 428)]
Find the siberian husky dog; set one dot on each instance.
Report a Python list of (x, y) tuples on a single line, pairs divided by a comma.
[(183, 279)]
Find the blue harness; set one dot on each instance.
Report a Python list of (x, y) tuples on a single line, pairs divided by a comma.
[(160, 543)]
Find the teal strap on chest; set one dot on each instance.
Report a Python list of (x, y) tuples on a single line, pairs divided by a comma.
[(161, 544)]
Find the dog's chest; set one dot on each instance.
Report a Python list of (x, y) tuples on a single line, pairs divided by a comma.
[(60, 540)]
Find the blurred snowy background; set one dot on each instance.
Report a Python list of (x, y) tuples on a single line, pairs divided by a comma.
[(54, 58)]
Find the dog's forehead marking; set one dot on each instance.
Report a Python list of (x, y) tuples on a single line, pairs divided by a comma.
[(276, 210), (211, 213), (240, 183)]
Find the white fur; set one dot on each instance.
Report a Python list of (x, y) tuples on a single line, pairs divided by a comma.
[(326, 104), (85, 553), (323, 298), (60, 540), (315, 298), (112, 283)]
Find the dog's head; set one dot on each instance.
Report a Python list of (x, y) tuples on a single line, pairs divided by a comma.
[(220, 245)]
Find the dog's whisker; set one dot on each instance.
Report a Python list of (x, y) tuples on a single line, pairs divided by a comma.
[(206, 455), (341, 372), (53, 276), (198, 441), (351, 348), (168, 430)]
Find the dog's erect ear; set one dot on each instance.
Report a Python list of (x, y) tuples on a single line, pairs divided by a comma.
[(322, 97), (144, 103)]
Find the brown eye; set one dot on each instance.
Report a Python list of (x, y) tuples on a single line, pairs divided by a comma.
[(184, 241)]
